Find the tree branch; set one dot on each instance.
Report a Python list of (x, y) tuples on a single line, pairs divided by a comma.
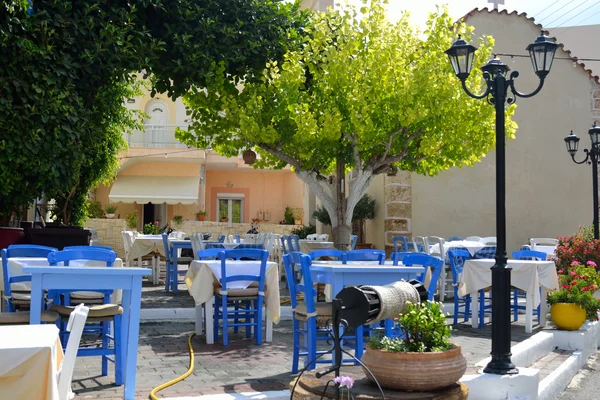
[(353, 138), (280, 154), (387, 160)]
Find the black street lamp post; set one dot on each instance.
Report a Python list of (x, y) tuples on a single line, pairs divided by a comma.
[(495, 73), (592, 156)]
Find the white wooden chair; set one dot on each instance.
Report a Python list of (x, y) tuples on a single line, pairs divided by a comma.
[(547, 245), (323, 237), (473, 238), (65, 374), (420, 240), (489, 241)]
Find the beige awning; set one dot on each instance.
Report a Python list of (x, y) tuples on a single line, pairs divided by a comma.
[(155, 189)]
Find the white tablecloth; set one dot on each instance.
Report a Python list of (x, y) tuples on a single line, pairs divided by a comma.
[(203, 274), (306, 246), (527, 275), (146, 244), (31, 355), (472, 247)]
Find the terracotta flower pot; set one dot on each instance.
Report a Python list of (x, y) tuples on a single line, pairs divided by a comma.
[(567, 316), (200, 217), (415, 371)]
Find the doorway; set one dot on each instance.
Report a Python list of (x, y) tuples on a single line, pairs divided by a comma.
[(154, 212)]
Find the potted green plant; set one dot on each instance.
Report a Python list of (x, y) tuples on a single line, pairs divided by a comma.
[(288, 216), (110, 211), (94, 209), (574, 302), (132, 220), (201, 215), (151, 228), (178, 219), (424, 359)]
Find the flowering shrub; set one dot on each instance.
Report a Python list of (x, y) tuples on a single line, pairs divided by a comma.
[(578, 283), (151, 228), (577, 248)]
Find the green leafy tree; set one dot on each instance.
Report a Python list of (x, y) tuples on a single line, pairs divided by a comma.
[(360, 93), (67, 66)]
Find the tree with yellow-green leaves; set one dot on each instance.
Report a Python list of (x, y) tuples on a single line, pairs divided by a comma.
[(360, 93)]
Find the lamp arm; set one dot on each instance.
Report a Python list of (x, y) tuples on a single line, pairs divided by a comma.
[(587, 157), (511, 82), (473, 95)]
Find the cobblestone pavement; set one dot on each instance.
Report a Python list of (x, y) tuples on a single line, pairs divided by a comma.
[(242, 366)]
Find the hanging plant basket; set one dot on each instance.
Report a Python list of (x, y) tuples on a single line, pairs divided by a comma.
[(249, 157)]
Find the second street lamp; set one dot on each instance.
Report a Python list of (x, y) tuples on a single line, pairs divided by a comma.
[(495, 73), (591, 157)]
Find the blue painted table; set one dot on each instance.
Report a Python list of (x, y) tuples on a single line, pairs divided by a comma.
[(172, 271), (341, 275), (129, 280)]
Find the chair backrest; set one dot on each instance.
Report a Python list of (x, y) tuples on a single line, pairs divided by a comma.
[(323, 237), (489, 240), (547, 245), (294, 242), (75, 327), (334, 253), (428, 261), (221, 238), (456, 259), (165, 239), (127, 241), (473, 238), (284, 239), (364, 255), (420, 244), (401, 241), (255, 254), (208, 254), (88, 248), (20, 250), (486, 252), (80, 254), (529, 255), (312, 236), (353, 241), (398, 256), (300, 283), (432, 240), (454, 238)]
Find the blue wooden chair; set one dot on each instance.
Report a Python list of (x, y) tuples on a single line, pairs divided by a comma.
[(221, 238), (19, 298), (353, 240), (254, 295), (102, 314), (294, 242), (88, 248), (486, 252), (516, 295), (398, 256), (332, 253), (400, 243), (365, 255), (435, 263), (456, 259), (238, 239), (285, 248)]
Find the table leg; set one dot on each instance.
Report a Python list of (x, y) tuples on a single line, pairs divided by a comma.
[(133, 322), (199, 316), (475, 310), (210, 326), (269, 327), (543, 307), (35, 310), (529, 312)]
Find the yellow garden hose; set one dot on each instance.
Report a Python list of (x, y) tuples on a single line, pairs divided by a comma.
[(180, 378)]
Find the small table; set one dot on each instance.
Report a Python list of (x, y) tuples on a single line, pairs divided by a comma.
[(306, 246), (527, 275), (31, 356), (203, 274), (97, 278), (471, 246), (146, 244)]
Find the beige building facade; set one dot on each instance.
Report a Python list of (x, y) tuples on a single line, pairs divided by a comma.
[(547, 194)]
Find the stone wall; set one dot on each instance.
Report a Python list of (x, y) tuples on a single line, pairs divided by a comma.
[(109, 230), (398, 207)]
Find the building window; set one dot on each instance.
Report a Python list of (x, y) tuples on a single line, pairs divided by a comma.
[(230, 207)]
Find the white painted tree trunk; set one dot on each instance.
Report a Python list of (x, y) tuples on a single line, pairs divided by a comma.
[(339, 204)]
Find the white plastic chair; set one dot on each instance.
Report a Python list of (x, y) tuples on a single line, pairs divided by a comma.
[(420, 240), (312, 236), (323, 237), (473, 238), (65, 373), (547, 245), (127, 243), (489, 241), (433, 240)]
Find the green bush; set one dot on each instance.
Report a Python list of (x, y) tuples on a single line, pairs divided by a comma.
[(94, 209), (288, 216), (364, 209), (304, 231), (132, 220)]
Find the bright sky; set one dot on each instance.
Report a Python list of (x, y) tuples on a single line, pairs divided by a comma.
[(550, 13)]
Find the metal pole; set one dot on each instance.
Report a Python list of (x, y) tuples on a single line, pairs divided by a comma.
[(594, 154), (501, 363)]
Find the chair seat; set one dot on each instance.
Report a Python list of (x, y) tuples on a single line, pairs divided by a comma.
[(248, 292), (324, 313), (87, 295), (98, 312), (22, 317)]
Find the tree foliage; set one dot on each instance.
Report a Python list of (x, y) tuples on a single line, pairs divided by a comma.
[(360, 93), (67, 67)]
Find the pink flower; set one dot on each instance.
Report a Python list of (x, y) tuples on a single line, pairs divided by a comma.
[(560, 271), (344, 381), (573, 273), (593, 264), (575, 263)]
